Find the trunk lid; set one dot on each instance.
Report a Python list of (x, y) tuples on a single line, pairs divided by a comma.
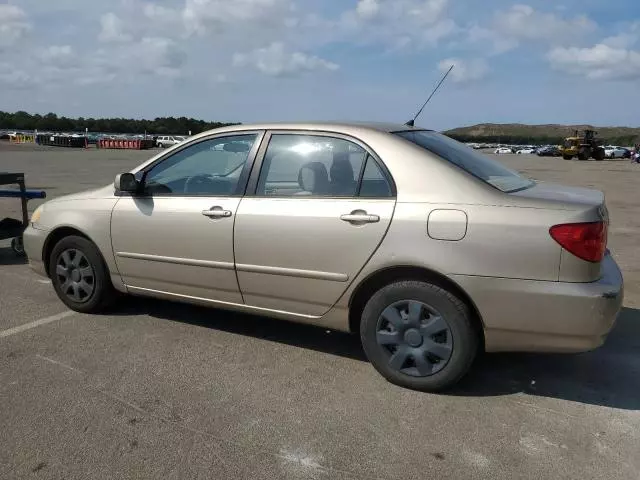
[(562, 196)]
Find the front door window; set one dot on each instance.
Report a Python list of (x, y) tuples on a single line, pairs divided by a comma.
[(211, 167)]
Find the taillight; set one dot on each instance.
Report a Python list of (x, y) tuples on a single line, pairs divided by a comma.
[(587, 241)]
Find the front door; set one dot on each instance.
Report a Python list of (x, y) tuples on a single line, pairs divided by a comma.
[(311, 224), (176, 236)]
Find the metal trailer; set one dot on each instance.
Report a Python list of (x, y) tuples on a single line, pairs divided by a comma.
[(11, 227)]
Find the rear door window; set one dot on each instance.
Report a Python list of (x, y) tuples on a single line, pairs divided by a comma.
[(310, 165), (374, 183)]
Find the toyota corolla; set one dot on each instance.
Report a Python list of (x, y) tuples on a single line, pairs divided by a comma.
[(429, 250)]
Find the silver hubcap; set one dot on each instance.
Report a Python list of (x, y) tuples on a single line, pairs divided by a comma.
[(415, 338), (75, 275)]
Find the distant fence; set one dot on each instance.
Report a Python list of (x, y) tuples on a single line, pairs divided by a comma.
[(126, 144), (22, 138), (61, 141)]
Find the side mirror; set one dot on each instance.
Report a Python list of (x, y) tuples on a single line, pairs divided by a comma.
[(126, 182)]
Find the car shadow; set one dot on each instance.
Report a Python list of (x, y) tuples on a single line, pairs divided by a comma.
[(295, 334), (607, 376), (9, 257)]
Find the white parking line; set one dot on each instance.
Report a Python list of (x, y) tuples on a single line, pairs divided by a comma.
[(56, 362), (37, 323)]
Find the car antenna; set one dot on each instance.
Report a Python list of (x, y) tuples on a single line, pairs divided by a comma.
[(411, 122)]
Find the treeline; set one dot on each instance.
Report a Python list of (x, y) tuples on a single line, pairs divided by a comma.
[(623, 140), (51, 122)]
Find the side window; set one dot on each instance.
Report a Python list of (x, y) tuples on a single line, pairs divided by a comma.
[(304, 165), (211, 167), (374, 183)]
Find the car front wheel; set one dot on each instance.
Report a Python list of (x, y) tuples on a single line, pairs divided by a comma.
[(418, 335), (79, 275)]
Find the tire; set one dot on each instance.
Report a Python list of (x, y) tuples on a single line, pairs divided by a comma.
[(444, 329), (567, 157), (81, 293), (599, 154), (584, 154)]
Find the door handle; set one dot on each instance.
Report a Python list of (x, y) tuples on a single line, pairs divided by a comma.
[(217, 212), (359, 217)]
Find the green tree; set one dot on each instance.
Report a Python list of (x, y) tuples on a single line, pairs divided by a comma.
[(51, 122)]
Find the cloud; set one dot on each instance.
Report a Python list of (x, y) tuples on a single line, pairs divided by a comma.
[(15, 78), (465, 71), (60, 54), (520, 24), (58, 66), (153, 56), (479, 36), (367, 9), (600, 62), (113, 29), (523, 22), (14, 25), (427, 12), (159, 56), (626, 39), (146, 50), (275, 61), (394, 12), (398, 24), (159, 13), (205, 16)]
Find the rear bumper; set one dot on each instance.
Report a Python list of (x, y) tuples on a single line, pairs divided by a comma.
[(34, 239), (538, 316)]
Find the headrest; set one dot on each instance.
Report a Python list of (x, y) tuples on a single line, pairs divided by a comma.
[(313, 178), (341, 169)]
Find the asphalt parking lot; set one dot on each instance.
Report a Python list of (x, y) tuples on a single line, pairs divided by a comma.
[(161, 390)]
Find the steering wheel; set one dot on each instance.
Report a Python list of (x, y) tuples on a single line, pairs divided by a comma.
[(195, 183)]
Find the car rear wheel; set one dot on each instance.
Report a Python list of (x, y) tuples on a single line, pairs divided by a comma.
[(79, 275), (418, 335)]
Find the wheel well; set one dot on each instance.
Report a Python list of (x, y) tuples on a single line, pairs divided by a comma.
[(379, 279), (53, 238)]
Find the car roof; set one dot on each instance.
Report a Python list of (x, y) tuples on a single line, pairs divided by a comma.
[(386, 127)]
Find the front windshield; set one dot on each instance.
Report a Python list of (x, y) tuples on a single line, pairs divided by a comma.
[(477, 164)]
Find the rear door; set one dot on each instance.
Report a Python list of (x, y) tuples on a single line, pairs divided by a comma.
[(317, 207)]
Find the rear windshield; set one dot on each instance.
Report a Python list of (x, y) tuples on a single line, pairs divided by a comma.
[(475, 163)]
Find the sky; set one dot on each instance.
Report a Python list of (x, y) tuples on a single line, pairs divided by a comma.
[(543, 61)]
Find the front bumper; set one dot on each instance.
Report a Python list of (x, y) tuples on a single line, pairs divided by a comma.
[(540, 316), (34, 239)]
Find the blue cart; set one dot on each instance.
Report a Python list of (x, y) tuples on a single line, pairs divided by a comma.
[(11, 227)]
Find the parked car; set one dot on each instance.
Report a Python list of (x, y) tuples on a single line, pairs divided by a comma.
[(331, 224), (611, 151), (503, 150), (627, 152), (168, 141), (526, 150), (549, 151)]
